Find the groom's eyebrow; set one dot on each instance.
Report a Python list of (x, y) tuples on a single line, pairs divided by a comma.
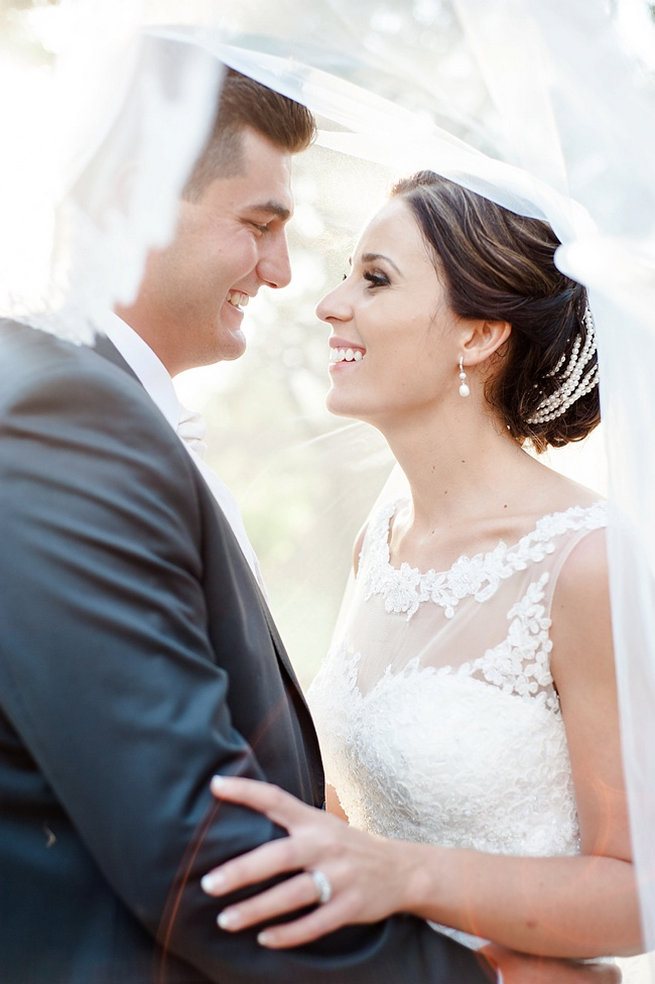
[(274, 208)]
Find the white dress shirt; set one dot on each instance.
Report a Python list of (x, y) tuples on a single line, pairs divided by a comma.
[(188, 425)]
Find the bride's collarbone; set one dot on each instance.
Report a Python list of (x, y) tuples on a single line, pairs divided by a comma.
[(440, 544)]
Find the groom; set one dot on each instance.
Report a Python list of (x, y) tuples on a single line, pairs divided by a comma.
[(137, 654)]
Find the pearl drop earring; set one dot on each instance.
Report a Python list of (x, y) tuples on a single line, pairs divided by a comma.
[(463, 385)]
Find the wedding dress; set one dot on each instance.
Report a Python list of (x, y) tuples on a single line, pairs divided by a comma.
[(438, 716)]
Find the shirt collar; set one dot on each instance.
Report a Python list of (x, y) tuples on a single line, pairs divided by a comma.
[(150, 370)]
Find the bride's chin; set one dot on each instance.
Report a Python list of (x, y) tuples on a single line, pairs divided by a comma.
[(337, 405), (351, 402)]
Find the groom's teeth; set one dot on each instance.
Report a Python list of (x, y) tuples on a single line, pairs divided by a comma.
[(238, 298), (345, 355)]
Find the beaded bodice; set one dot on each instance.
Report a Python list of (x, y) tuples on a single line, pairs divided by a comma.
[(437, 713)]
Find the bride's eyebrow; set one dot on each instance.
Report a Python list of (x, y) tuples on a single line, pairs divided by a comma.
[(373, 257)]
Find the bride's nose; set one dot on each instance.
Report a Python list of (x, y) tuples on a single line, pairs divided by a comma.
[(334, 306)]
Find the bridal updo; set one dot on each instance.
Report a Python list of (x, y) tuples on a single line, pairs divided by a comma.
[(499, 265)]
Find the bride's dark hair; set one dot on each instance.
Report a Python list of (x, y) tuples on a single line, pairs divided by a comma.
[(499, 265)]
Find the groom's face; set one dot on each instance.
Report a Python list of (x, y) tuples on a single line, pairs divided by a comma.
[(230, 241)]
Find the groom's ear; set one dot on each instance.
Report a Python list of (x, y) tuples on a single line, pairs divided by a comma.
[(485, 338)]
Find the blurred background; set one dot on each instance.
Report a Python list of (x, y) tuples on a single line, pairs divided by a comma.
[(305, 480)]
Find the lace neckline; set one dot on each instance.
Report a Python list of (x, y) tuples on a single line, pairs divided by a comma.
[(405, 587)]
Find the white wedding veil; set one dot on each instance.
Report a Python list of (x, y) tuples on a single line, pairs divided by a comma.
[(556, 121)]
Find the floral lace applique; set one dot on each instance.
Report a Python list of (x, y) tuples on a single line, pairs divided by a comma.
[(520, 664), (438, 757), (404, 588)]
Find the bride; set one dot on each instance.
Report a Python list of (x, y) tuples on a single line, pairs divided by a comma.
[(468, 708)]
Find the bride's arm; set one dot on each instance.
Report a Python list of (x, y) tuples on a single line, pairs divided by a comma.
[(570, 906), (582, 906)]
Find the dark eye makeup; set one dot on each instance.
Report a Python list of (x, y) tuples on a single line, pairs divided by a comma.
[(376, 278)]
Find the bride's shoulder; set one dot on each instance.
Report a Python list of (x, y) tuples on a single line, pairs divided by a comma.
[(581, 630), (568, 510), (560, 491), (582, 584)]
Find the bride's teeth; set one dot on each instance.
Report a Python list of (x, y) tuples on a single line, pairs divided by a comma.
[(345, 355)]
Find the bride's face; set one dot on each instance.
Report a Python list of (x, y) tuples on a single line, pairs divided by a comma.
[(393, 347)]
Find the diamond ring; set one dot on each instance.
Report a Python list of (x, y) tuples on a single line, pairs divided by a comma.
[(323, 886)]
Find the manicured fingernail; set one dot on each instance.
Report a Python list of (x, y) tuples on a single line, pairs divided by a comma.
[(212, 883), (264, 938), (216, 782), (228, 919)]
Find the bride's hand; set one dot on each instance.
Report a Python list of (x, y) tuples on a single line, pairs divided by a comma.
[(355, 864)]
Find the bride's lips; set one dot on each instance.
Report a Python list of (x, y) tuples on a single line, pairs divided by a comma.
[(344, 352)]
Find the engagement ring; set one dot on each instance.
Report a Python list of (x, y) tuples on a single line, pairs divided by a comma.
[(323, 886)]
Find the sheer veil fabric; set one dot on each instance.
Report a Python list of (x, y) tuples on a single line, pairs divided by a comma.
[(561, 128), (100, 158)]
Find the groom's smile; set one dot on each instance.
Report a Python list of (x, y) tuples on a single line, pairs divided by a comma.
[(230, 241)]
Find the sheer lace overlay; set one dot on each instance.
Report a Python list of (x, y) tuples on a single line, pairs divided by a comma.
[(436, 709)]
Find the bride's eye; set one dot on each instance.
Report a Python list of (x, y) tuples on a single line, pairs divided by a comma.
[(376, 279)]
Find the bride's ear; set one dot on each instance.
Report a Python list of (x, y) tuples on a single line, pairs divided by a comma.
[(483, 339)]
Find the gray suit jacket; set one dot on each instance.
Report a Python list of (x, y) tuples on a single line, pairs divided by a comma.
[(137, 658)]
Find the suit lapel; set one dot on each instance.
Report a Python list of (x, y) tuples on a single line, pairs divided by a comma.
[(281, 653), (105, 348)]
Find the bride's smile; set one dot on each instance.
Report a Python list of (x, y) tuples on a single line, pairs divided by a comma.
[(393, 349)]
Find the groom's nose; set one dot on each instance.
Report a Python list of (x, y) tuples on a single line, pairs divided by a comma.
[(274, 265)]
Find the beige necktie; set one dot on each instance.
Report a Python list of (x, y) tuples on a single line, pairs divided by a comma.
[(192, 429)]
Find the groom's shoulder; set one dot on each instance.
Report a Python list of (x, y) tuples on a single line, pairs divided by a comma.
[(33, 359), (67, 398), (49, 386), (25, 346)]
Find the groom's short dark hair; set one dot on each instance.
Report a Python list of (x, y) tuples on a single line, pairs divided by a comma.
[(245, 103)]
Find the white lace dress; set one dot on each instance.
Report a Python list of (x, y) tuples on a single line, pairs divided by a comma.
[(435, 707)]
